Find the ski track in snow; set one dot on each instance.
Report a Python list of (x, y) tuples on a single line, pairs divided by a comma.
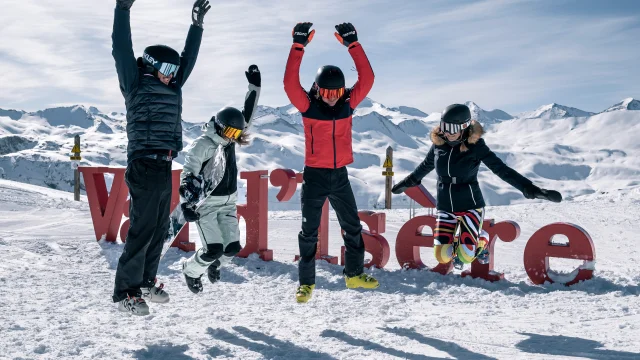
[(56, 283)]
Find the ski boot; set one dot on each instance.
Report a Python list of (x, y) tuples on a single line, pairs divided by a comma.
[(303, 294), (155, 294), (194, 284), (457, 263), (361, 281), (482, 256), (134, 305), (213, 272)]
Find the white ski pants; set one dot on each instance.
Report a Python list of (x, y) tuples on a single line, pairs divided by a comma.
[(219, 234)]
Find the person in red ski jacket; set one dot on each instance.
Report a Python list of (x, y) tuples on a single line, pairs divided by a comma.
[(327, 110)]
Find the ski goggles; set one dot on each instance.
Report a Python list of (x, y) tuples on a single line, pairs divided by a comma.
[(167, 69), (164, 68), (231, 132), (454, 128), (331, 93)]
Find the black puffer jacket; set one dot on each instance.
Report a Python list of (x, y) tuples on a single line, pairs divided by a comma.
[(457, 169), (154, 110)]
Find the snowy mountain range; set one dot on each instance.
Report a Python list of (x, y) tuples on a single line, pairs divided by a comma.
[(556, 146), (554, 111)]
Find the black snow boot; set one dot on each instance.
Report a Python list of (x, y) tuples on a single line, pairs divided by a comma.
[(213, 272)]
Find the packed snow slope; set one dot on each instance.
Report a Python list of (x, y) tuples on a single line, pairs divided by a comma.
[(558, 147), (56, 283)]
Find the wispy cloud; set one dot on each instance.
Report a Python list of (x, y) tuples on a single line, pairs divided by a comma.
[(514, 55)]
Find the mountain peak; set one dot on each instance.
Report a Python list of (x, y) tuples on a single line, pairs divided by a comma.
[(408, 110), (625, 104), (76, 115), (12, 114), (487, 117), (554, 111)]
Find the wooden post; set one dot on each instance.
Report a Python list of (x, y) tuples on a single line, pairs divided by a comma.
[(76, 174), (388, 173), (412, 211)]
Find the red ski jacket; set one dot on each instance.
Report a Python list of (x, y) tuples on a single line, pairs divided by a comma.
[(327, 130)]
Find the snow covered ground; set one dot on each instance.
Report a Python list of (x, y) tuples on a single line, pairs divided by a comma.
[(56, 283)]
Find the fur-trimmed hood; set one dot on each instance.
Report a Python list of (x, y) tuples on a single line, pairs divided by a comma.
[(475, 133)]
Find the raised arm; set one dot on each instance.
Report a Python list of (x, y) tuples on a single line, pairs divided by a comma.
[(348, 36), (251, 99), (302, 35), (122, 47), (194, 39)]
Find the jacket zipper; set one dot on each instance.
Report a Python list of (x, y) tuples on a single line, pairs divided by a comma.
[(449, 172), (333, 135), (472, 197), (311, 127)]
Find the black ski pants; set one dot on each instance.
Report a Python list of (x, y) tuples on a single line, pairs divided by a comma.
[(149, 182), (318, 185)]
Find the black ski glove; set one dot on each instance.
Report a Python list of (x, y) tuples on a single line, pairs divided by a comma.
[(533, 192), (404, 184), (190, 188), (346, 34), (200, 9), (189, 212), (124, 4), (253, 75), (301, 34)]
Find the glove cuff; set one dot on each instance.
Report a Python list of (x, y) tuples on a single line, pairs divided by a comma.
[(411, 180), (297, 46), (353, 44)]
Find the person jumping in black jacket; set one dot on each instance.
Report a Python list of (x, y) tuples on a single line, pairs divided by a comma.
[(456, 153), (152, 89)]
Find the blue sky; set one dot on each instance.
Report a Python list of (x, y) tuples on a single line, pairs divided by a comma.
[(514, 55)]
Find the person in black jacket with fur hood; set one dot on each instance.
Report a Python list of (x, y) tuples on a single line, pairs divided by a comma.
[(456, 153), (152, 90)]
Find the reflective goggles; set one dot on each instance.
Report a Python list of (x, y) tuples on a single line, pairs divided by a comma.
[(167, 69), (331, 93), (454, 128), (231, 132)]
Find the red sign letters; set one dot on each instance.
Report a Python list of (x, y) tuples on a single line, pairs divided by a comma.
[(108, 208)]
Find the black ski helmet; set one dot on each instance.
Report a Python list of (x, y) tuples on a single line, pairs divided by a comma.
[(456, 114), (455, 118), (162, 58), (330, 77), (229, 117)]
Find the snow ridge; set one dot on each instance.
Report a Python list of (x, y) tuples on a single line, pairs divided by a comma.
[(555, 146)]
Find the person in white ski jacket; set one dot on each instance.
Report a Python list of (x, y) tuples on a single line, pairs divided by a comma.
[(210, 176)]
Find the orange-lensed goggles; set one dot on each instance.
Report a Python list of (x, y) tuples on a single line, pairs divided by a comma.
[(231, 132), (331, 93)]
